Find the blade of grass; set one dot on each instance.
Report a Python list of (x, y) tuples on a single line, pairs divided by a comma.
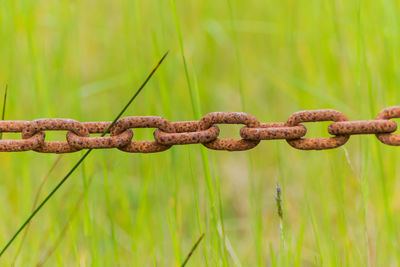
[(87, 220), (64, 230), (318, 257), (192, 250), (35, 201), (196, 107), (254, 197), (110, 216), (237, 55), (364, 193), (278, 200), (4, 103), (3, 114), (195, 104), (221, 225), (81, 159), (81, 199)]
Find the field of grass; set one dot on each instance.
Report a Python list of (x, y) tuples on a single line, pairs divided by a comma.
[(84, 59)]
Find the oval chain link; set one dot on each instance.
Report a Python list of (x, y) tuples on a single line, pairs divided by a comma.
[(30, 143), (362, 127), (314, 116), (41, 125), (229, 118), (142, 122), (387, 114), (270, 131), (186, 132), (84, 142)]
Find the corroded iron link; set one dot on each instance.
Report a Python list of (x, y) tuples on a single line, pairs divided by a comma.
[(30, 143), (387, 114), (85, 142), (142, 122), (186, 132), (41, 125), (269, 131), (204, 131), (313, 116), (230, 118), (362, 127)]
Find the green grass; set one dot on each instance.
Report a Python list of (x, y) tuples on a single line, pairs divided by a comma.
[(81, 60), (78, 164)]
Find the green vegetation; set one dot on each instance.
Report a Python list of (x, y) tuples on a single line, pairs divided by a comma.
[(83, 59)]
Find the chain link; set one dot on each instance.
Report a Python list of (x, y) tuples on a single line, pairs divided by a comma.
[(387, 114), (186, 132), (313, 116), (204, 131), (30, 143), (230, 118), (269, 131), (40, 125), (142, 122)]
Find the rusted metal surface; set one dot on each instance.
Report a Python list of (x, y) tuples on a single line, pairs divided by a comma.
[(362, 127), (204, 131), (142, 122), (314, 116), (96, 142), (269, 131), (30, 143), (186, 133), (387, 114), (230, 118), (41, 125)]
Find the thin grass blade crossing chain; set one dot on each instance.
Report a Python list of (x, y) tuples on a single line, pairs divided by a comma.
[(204, 131), (64, 124), (3, 113)]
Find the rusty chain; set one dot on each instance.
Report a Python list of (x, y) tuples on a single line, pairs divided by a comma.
[(204, 131)]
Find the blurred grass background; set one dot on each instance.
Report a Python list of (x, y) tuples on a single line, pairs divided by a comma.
[(83, 59)]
